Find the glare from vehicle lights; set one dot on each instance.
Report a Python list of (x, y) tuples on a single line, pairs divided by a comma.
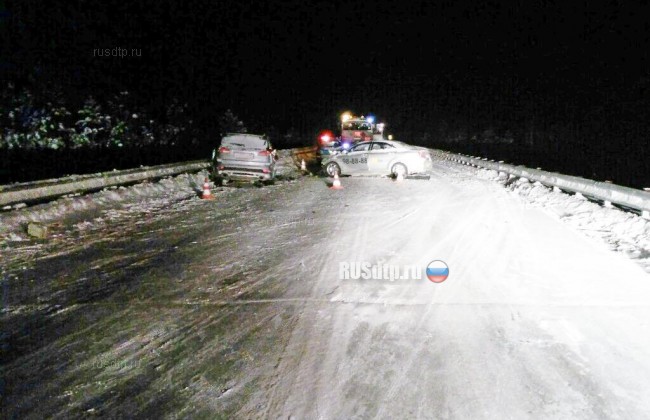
[(390, 137), (325, 137), (380, 127), (346, 145), (370, 119), (346, 116)]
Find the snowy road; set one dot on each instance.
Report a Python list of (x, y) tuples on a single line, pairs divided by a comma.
[(236, 308)]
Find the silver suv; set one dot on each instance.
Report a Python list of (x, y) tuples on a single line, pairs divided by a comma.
[(243, 157)]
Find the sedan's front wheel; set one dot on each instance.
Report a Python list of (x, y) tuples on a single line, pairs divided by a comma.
[(332, 169)]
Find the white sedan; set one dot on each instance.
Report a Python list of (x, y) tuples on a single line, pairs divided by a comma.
[(385, 157)]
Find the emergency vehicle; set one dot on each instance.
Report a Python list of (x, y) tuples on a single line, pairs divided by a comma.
[(353, 130), (356, 129)]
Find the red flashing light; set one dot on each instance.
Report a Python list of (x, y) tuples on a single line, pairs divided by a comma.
[(325, 137)]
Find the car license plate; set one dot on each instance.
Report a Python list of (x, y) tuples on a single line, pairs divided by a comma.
[(243, 155)]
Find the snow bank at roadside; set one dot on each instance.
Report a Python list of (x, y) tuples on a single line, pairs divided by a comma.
[(146, 194), (623, 231), (286, 166), (165, 190)]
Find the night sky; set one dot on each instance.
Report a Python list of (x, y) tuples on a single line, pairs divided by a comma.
[(301, 63)]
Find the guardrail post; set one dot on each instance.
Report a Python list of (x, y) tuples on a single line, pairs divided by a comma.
[(557, 189), (608, 204), (580, 196), (645, 214)]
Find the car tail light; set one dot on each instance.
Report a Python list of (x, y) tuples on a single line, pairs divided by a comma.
[(221, 167), (264, 153), (423, 154), (224, 149), (266, 170)]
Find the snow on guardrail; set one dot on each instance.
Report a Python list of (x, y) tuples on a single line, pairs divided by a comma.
[(606, 192), (43, 190)]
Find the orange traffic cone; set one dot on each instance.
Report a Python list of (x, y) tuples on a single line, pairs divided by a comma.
[(207, 195), (336, 185)]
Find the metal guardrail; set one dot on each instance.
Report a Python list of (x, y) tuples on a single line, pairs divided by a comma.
[(71, 178), (309, 152), (36, 191), (44, 190), (607, 193)]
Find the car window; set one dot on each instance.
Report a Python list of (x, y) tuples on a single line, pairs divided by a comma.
[(354, 125), (381, 146), (245, 141), (401, 145), (362, 147)]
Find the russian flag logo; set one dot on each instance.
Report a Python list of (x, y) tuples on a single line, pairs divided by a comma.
[(437, 271)]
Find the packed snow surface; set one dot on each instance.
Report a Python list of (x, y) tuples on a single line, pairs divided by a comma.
[(160, 304)]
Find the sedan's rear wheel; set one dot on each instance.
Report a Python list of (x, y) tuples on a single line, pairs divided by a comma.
[(332, 169), (399, 169)]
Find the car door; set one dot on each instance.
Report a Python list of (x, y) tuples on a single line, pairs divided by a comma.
[(356, 160), (379, 157)]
